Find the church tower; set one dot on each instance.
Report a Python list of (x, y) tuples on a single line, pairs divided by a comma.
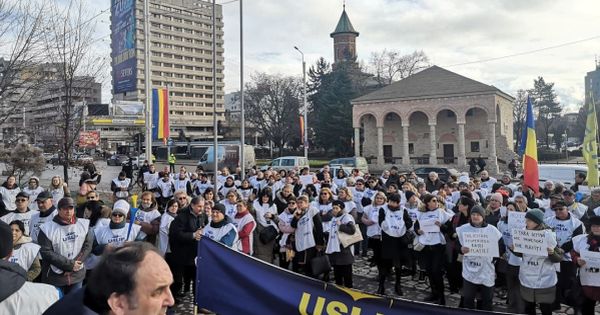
[(344, 40)]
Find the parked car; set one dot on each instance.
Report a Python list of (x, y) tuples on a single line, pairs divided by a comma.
[(116, 160), (287, 163), (444, 173), (358, 162), (47, 157)]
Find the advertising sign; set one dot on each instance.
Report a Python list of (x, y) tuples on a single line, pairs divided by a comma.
[(124, 68), (89, 139)]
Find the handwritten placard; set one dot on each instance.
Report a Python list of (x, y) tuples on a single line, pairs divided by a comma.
[(306, 179), (530, 242), (516, 220), (429, 226), (482, 244)]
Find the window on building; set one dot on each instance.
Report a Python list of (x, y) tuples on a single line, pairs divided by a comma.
[(411, 148), (474, 146)]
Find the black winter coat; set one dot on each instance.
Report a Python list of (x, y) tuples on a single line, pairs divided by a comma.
[(181, 236)]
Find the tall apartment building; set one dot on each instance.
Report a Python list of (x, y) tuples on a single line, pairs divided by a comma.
[(181, 59), (592, 85)]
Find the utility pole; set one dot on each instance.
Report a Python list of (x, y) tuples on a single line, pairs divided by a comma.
[(147, 73)]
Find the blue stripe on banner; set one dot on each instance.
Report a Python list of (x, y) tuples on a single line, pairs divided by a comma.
[(229, 282), (155, 113)]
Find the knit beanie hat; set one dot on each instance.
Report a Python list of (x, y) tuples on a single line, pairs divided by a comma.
[(339, 203), (535, 215), (479, 210), (121, 206), (409, 194), (219, 207)]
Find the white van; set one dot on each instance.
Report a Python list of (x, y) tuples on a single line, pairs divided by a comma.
[(564, 173), (287, 163)]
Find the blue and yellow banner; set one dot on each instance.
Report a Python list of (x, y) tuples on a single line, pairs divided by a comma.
[(229, 282)]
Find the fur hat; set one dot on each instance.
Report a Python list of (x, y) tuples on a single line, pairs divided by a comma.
[(121, 206)]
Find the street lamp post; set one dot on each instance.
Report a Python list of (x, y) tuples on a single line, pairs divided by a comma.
[(305, 106)]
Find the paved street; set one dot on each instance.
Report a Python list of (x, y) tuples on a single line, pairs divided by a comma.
[(365, 280)]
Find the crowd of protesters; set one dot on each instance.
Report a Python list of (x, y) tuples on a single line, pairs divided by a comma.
[(404, 225)]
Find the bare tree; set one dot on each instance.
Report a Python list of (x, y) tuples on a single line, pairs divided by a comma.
[(21, 26), (68, 42), (272, 104), (390, 65), (519, 115)]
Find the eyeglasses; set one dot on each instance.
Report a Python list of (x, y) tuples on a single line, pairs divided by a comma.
[(21, 200), (182, 198), (116, 214)]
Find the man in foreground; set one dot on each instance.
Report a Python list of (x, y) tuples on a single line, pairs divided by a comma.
[(133, 279)]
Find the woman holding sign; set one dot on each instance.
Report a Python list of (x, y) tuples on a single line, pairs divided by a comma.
[(586, 254), (536, 273), (479, 245), (515, 219), (430, 221)]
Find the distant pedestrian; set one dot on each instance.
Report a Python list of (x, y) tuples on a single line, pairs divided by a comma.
[(472, 166), (172, 161), (513, 166), (481, 163)]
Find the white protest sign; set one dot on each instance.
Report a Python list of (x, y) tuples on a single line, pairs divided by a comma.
[(429, 226), (482, 244), (584, 189), (592, 259), (531, 242), (306, 179), (590, 272), (516, 220)]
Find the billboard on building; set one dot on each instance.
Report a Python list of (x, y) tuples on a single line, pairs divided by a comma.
[(124, 63), (97, 109), (128, 108), (89, 139)]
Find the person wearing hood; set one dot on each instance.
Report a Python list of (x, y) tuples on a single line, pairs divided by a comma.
[(478, 271), (58, 189), (395, 222), (15, 288), (46, 213), (537, 273), (33, 189), (588, 276), (25, 253), (148, 217), (66, 242), (22, 212), (8, 194)]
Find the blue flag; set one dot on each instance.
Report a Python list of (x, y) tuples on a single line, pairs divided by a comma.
[(229, 282)]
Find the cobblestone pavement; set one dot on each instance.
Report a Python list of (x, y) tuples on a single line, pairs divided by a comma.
[(365, 279)]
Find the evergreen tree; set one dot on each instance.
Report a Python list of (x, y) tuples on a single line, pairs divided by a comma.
[(544, 101)]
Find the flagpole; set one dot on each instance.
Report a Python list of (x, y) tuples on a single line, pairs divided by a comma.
[(148, 120)]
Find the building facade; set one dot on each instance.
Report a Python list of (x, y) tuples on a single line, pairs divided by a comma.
[(181, 60), (434, 117), (592, 84), (344, 40)]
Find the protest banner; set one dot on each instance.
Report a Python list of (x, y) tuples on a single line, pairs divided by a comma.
[(229, 282), (516, 220), (481, 244), (590, 272), (531, 242)]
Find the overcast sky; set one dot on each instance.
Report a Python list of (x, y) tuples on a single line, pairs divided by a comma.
[(451, 33)]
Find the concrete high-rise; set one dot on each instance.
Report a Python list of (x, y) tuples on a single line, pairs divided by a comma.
[(592, 85), (181, 59)]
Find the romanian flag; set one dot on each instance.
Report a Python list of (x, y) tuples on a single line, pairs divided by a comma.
[(531, 177), (160, 114), (590, 144)]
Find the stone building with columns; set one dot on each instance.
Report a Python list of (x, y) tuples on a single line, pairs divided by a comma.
[(434, 117)]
